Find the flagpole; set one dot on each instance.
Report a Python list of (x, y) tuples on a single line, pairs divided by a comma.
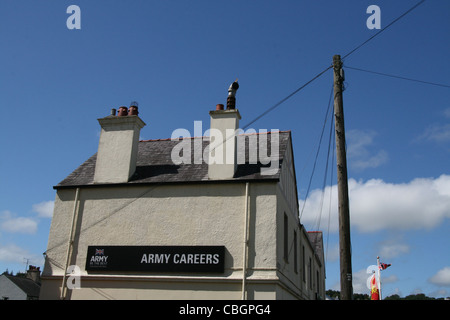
[(379, 277)]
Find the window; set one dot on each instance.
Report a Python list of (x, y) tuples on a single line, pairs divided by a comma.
[(286, 242), (317, 281), (310, 273), (304, 264), (295, 253)]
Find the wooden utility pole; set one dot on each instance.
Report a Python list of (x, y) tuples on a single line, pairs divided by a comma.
[(344, 211)]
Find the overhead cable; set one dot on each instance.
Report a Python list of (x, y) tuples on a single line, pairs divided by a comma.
[(317, 152), (399, 77), (385, 28), (276, 105), (286, 98)]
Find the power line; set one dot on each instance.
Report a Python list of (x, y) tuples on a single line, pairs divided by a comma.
[(331, 191), (317, 153), (276, 105), (319, 218), (399, 77), (385, 28), (286, 98)]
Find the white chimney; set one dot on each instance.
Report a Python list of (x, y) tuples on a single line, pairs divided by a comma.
[(118, 146), (222, 160)]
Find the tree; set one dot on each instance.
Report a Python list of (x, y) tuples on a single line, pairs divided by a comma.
[(361, 296), (418, 296), (333, 294), (8, 273)]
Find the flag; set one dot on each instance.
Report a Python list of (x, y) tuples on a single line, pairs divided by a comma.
[(384, 266), (374, 292)]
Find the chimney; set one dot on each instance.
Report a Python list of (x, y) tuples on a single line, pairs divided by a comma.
[(231, 99), (118, 146), (222, 148), (34, 273)]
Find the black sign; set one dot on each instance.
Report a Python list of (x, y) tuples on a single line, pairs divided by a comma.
[(156, 258)]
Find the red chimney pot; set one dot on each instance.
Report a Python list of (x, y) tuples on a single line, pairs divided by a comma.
[(231, 103), (122, 111), (133, 111)]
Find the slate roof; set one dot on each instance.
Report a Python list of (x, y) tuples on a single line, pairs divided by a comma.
[(154, 164), (28, 286), (316, 239)]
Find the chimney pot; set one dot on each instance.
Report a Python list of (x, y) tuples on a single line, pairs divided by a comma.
[(219, 107), (34, 273), (231, 99), (122, 111), (231, 103), (133, 111), (113, 112)]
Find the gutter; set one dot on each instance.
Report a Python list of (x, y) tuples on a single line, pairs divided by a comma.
[(137, 184), (245, 243), (70, 243)]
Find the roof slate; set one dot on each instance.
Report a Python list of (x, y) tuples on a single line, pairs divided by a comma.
[(28, 286), (155, 165), (316, 239)]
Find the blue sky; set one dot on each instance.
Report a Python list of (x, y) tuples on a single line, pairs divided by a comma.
[(177, 59)]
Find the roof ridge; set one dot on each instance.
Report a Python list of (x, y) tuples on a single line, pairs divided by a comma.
[(243, 134)]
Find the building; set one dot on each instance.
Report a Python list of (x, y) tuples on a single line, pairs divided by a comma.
[(189, 218), (24, 287)]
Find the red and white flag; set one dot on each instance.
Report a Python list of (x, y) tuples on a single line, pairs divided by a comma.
[(374, 290), (384, 266)]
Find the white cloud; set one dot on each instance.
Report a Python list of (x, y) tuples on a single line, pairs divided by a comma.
[(439, 293), (392, 248), (377, 205), (388, 279), (44, 209), (14, 254), (360, 280), (447, 113), (372, 161), (436, 133), (358, 153), (10, 223), (396, 291), (332, 253), (439, 133), (441, 278)]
